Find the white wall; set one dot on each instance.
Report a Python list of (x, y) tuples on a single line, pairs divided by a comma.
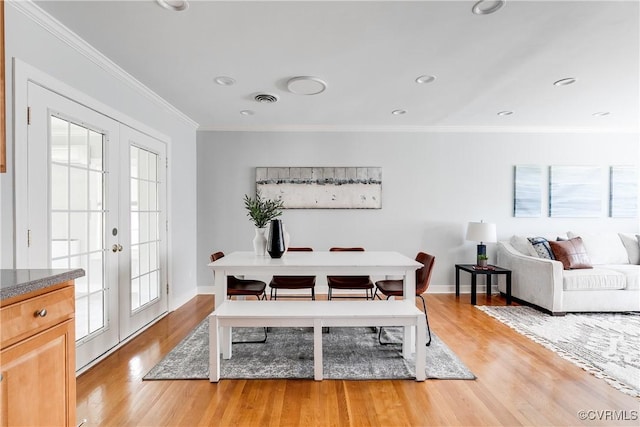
[(33, 42), (433, 184)]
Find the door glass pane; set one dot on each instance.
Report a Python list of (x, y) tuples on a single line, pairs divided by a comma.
[(78, 216), (145, 238)]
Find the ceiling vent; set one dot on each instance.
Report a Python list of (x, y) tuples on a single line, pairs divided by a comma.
[(266, 98)]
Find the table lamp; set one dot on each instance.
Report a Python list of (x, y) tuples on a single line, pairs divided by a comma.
[(481, 232)]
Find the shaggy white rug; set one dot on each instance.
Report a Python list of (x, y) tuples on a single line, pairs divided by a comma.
[(604, 344)]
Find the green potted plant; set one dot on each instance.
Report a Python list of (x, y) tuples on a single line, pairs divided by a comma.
[(261, 211), (482, 260)]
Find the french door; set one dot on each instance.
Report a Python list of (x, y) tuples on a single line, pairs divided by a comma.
[(96, 201)]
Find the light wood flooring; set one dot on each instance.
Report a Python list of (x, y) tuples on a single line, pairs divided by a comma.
[(519, 383)]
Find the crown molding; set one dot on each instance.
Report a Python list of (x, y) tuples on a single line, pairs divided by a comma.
[(423, 129), (57, 29)]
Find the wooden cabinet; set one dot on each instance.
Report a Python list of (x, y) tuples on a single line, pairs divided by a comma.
[(38, 385)]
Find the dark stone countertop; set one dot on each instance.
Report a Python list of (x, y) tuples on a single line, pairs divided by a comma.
[(19, 282)]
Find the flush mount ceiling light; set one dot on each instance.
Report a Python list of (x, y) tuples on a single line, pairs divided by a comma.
[(306, 85), (505, 113), (425, 79), (399, 112), (487, 7), (565, 82), (601, 114), (225, 80), (174, 5), (247, 112), (265, 98)]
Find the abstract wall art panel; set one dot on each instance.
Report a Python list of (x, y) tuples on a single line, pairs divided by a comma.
[(576, 191), (527, 198), (623, 195), (322, 187)]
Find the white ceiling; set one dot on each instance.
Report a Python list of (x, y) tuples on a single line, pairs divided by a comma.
[(370, 54)]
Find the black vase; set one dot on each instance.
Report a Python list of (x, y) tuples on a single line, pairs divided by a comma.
[(275, 243)]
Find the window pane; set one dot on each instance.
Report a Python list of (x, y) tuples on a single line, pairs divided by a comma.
[(78, 189), (78, 232), (154, 285), (143, 164), (143, 198), (95, 190), (134, 195), (135, 261), (78, 145), (95, 150), (82, 317), (96, 311), (144, 258), (134, 161), (135, 294), (59, 187), (153, 167), (135, 227), (96, 272), (144, 289), (96, 231), (59, 140), (144, 227)]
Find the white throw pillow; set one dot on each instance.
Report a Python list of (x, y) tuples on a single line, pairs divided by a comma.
[(632, 245), (603, 248), (523, 245)]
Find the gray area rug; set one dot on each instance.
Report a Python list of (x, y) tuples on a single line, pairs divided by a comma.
[(348, 353), (604, 344)]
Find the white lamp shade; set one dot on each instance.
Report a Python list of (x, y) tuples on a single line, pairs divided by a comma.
[(481, 232)]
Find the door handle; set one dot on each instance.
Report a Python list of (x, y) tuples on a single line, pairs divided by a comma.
[(116, 248)]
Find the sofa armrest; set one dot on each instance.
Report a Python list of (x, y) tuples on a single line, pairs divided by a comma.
[(535, 280)]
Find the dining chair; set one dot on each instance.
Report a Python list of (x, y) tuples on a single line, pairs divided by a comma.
[(244, 288), (393, 288), (293, 282), (349, 282)]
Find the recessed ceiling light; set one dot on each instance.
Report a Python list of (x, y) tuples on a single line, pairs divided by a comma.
[(486, 7), (306, 85), (425, 79), (565, 82), (505, 113), (601, 114), (247, 112), (225, 80), (174, 5), (399, 112)]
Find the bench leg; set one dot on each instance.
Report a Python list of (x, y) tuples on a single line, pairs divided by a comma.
[(214, 350), (226, 342), (421, 331), (408, 341), (317, 350)]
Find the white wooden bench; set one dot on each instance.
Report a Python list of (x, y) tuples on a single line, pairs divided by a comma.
[(315, 314)]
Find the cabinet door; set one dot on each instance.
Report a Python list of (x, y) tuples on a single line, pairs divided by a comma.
[(38, 380)]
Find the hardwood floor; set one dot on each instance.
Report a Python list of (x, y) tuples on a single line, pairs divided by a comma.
[(519, 383)]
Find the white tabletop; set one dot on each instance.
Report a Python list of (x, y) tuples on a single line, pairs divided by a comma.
[(317, 259)]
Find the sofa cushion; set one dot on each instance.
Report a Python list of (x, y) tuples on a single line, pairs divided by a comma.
[(603, 248), (541, 246), (631, 272), (593, 279), (571, 253), (632, 246), (523, 245)]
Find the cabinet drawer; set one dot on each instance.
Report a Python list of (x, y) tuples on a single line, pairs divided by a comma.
[(28, 317)]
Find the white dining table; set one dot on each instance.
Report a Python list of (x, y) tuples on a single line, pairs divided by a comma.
[(387, 264), (316, 263)]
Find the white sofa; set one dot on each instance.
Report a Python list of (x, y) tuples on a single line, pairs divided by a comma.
[(613, 284)]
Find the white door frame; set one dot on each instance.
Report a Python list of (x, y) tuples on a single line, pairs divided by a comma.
[(24, 73)]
